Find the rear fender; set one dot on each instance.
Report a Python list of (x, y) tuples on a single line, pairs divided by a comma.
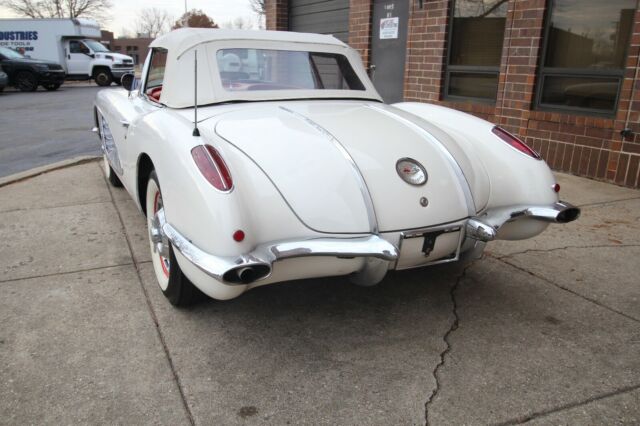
[(514, 177), (206, 216)]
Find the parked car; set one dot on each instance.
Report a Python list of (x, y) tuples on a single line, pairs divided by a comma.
[(71, 43), (4, 79), (292, 167), (27, 74)]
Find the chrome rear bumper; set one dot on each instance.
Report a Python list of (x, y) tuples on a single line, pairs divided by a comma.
[(257, 265)]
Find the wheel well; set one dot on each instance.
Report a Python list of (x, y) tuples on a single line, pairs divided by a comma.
[(99, 68), (145, 167)]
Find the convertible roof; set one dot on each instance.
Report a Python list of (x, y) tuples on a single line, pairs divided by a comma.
[(183, 39)]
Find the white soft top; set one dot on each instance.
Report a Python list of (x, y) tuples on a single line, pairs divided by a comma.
[(181, 45), (183, 39)]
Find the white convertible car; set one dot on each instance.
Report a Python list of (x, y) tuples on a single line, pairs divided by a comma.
[(260, 157)]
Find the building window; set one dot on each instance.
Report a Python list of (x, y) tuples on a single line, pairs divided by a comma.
[(584, 55), (475, 49)]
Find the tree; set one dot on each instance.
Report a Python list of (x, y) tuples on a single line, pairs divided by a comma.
[(60, 8), (152, 22), (195, 19), (239, 23), (257, 6)]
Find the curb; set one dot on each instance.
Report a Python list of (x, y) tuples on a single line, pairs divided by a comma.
[(17, 177)]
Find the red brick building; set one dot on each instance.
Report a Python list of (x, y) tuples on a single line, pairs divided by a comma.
[(563, 74), (136, 47)]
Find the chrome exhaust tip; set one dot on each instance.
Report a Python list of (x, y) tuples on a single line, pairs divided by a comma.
[(568, 215), (246, 274), (560, 212)]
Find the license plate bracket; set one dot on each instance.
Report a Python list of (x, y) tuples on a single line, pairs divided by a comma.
[(430, 241)]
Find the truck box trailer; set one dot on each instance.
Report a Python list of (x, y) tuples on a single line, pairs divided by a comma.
[(71, 43)]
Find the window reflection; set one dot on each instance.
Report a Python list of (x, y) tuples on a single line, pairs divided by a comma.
[(589, 33), (477, 34), (585, 53)]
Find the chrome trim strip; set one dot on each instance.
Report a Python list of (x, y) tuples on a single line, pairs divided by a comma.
[(462, 179), (108, 144), (369, 246), (266, 254), (364, 190)]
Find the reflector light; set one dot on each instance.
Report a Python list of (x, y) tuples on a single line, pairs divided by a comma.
[(556, 187), (212, 167), (515, 142), (238, 235)]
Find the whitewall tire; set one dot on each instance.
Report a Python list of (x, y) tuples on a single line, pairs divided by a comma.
[(173, 283)]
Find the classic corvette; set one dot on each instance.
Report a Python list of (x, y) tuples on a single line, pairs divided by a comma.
[(260, 157)]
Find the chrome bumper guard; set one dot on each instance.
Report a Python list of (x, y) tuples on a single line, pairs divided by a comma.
[(485, 227), (256, 265)]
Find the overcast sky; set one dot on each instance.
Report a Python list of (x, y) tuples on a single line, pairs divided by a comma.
[(124, 12)]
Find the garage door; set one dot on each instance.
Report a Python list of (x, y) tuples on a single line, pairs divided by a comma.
[(320, 16)]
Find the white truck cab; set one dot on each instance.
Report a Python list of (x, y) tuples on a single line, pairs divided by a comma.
[(89, 58), (71, 43)]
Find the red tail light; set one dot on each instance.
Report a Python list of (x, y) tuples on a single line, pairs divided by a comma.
[(515, 142), (212, 167)]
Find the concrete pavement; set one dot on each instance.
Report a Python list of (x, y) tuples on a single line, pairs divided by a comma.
[(545, 331)]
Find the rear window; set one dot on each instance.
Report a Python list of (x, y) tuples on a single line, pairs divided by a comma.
[(262, 69)]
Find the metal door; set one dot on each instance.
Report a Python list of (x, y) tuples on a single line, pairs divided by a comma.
[(389, 47), (322, 17), (78, 58)]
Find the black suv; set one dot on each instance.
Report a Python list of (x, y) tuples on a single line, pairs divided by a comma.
[(27, 74)]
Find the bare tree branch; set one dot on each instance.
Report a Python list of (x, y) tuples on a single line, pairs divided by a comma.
[(60, 8), (492, 8), (257, 6), (153, 22)]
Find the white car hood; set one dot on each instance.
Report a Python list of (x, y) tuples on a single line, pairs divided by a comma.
[(334, 160), (119, 57)]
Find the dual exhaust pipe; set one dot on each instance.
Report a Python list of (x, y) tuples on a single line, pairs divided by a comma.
[(247, 274), (560, 212)]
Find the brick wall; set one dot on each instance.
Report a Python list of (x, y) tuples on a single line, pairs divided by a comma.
[(277, 15), (583, 145), (360, 12), (426, 48)]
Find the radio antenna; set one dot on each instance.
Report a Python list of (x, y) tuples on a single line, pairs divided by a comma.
[(196, 132)]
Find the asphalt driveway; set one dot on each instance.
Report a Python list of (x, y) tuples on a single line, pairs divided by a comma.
[(43, 127), (545, 331)]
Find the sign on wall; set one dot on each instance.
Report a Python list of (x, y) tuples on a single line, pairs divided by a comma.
[(389, 28)]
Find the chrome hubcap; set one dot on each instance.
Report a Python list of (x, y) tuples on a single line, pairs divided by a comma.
[(157, 235)]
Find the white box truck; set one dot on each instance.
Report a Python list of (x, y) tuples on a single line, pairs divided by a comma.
[(69, 42)]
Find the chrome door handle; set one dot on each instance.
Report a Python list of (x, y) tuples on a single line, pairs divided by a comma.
[(124, 123)]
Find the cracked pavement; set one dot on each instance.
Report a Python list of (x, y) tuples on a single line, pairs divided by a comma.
[(541, 331)]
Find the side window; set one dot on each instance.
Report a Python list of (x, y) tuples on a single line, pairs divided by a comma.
[(74, 46), (155, 75)]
